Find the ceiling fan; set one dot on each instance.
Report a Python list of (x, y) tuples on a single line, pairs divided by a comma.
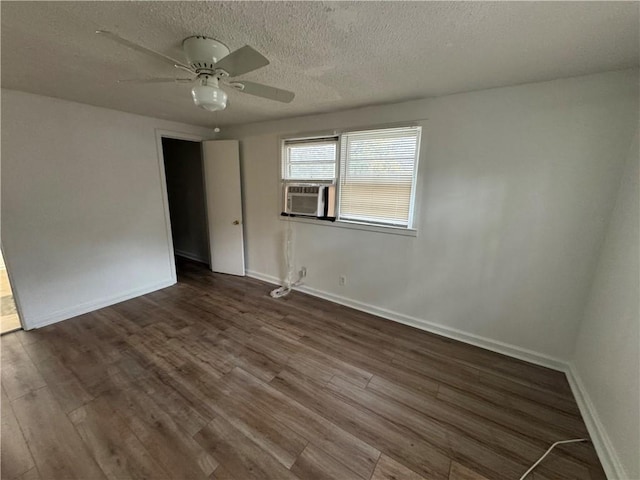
[(210, 63)]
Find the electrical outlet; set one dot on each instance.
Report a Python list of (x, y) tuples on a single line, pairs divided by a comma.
[(342, 280), (303, 272)]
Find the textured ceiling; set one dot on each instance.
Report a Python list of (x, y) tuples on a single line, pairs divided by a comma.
[(334, 55)]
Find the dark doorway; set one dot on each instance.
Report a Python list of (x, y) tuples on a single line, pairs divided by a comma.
[(183, 168)]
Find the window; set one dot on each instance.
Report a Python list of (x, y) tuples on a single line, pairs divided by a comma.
[(374, 170), (377, 170), (310, 159)]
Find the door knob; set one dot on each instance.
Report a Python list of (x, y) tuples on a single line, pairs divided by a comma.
[(236, 222)]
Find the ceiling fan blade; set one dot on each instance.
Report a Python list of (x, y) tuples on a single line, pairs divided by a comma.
[(241, 61), (156, 80), (140, 48), (264, 91), (186, 69)]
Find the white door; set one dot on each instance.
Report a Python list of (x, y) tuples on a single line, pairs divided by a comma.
[(224, 205)]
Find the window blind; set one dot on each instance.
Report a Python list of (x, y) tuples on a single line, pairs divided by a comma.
[(377, 175), (313, 159)]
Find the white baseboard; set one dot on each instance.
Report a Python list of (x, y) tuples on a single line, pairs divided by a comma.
[(87, 307), (422, 324), (606, 453), (190, 256)]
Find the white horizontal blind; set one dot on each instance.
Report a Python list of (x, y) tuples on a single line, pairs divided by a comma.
[(377, 171), (313, 159)]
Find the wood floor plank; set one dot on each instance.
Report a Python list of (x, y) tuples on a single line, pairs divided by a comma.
[(374, 364), (64, 385), (56, 446), (14, 453), (277, 323), (416, 374), (314, 464), (547, 427), (174, 403), (295, 387), (38, 350), (90, 366), (27, 337), (400, 339), (346, 448), (460, 472), (481, 359), (19, 374), (383, 434), (457, 442), (250, 359), (202, 352), (30, 475), (241, 456), (166, 442), (240, 411), (410, 349), (509, 441), (389, 469), (323, 368), (221, 473), (281, 442), (112, 444)]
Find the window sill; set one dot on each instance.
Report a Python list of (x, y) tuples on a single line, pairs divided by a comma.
[(405, 232)]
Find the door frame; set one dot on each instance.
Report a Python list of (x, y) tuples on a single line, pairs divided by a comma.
[(160, 134)]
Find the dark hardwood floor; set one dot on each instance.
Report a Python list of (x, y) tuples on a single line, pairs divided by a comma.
[(212, 378)]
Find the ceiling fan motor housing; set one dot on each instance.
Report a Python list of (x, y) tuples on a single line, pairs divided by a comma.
[(203, 52)]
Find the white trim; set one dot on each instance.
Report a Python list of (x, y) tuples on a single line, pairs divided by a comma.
[(414, 181), (87, 307), (604, 448), (407, 232), (163, 187), (453, 333)]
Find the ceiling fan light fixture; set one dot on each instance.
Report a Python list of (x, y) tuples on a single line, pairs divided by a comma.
[(209, 97)]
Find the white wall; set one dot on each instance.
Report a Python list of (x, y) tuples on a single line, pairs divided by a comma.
[(607, 359), (515, 184), (83, 223)]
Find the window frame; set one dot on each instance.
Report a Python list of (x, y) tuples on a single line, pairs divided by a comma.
[(410, 230), (322, 139)]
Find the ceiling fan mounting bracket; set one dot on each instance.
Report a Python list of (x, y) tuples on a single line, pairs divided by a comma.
[(216, 73)]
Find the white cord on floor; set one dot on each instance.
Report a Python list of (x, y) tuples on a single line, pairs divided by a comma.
[(575, 440), (288, 256)]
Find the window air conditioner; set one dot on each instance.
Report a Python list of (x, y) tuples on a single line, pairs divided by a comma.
[(310, 200)]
